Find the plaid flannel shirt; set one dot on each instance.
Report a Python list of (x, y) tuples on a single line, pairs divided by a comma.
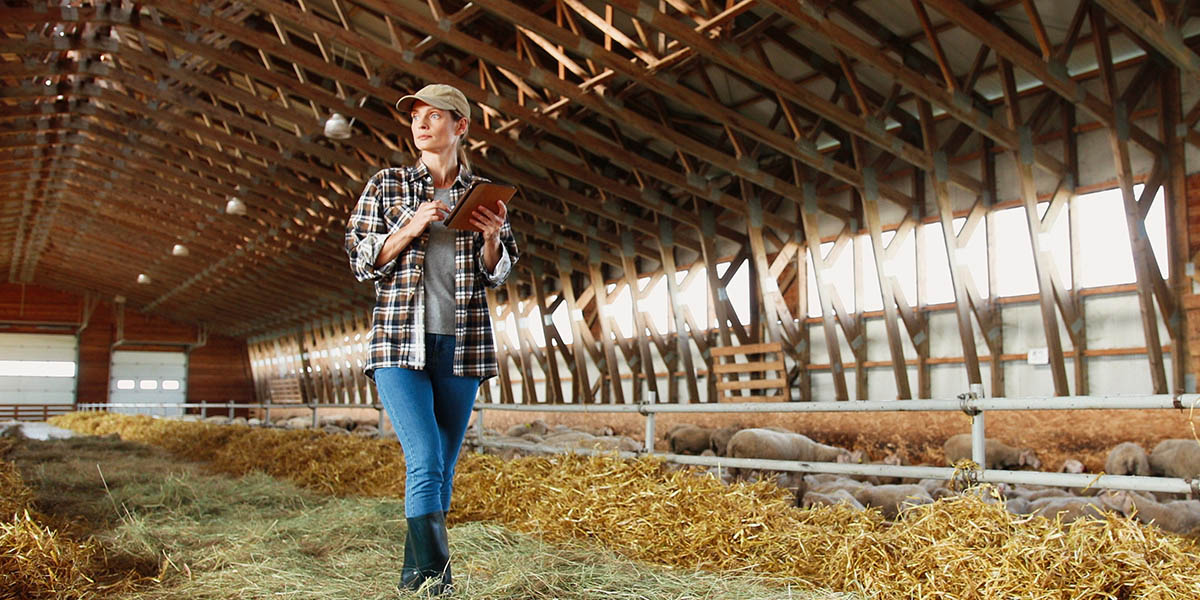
[(397, 337)]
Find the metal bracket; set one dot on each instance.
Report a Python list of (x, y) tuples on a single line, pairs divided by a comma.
[(964, 400)]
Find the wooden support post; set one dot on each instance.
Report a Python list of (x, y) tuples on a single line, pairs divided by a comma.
[(1143, 255), (1175, 196), (503, 347), (553, 392), (609, 367), (920, 342), (641, 336), (891, 316), (824, 292), (524, 359), (581, 389), (683, 349), (959, 275), (801, 376), (993, 328), (779, 320)]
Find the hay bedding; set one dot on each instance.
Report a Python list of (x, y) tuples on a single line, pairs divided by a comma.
[(36, 561), (956, 548)]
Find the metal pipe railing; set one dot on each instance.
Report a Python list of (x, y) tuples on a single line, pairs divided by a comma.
[(1070, 480), (972, 403)]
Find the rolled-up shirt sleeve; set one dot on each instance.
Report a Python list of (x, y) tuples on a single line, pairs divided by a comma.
[(508, 257), (366, 233)]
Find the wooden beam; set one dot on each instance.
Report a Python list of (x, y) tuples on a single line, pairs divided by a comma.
[(1165, 38)]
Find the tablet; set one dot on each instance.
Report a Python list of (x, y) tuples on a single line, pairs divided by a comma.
[(481, 194)]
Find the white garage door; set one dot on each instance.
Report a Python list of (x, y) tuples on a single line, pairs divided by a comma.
[(147, 377), (37, 368)]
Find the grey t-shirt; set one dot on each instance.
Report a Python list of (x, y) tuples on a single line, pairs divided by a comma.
[(439, 273)]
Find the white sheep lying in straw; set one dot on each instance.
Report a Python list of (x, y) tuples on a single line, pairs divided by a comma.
[(1127, 458), (892, 499), (1176, 458), (1180, 516), (998, 454), (776, 444), (1068, 508), (834, 498)]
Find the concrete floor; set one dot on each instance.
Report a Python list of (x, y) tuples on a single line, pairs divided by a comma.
[(38, 431)]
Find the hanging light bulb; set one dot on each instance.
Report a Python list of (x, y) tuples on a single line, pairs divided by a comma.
[(337, 128), (235, 206), (143, 279), (179, 250)]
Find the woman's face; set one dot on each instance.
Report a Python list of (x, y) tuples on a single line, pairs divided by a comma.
[(434, 129)]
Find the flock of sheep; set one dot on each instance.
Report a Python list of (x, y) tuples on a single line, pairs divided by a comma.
[(1170, 458)]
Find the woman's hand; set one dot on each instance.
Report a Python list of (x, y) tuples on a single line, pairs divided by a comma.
[(427, 212), (490, 222)]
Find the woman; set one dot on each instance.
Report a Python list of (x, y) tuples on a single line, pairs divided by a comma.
[(431, 333)]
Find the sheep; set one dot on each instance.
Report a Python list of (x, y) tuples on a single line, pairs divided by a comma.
[(1177, 517), (1071, 466), (817, 478), (1127, 458), (1039, 493), (998, 454), (599, 431), (830, 486), (894, 460), (537, 426), (720, 439), (1068, 508), (1018, 506), (811, 499), (689, 439), (936, 488), (780, 445), (1176, 458), (893, 499)]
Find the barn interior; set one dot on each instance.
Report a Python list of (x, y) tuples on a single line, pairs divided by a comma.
[(793, 201)]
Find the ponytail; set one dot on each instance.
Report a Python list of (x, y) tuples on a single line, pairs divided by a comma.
[(464, 161)]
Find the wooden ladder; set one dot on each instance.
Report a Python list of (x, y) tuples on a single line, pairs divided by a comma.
[(285, 390), (757, 363)]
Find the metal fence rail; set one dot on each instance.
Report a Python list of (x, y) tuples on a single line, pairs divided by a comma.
[(972, 403)]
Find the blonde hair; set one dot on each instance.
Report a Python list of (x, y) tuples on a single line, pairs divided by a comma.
[(464, 161)]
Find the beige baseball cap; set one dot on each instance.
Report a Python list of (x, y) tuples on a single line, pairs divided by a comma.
[(438, 95)]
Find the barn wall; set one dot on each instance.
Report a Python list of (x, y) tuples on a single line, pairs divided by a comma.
[(218, 372)]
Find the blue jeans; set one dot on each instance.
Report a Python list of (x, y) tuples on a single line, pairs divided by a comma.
[(429, 410)]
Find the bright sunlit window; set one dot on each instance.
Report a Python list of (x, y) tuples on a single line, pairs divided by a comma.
[(148, 384), (838, 279), (170, 384), (125, 384), (1104, 237), (37, 368)]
